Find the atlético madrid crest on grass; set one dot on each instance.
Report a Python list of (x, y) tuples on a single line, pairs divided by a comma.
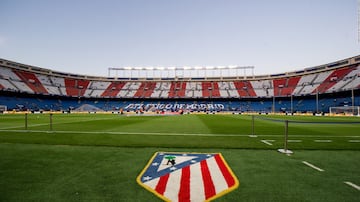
[(191, 177)]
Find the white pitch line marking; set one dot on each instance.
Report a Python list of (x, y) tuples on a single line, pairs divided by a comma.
[(323, 141), (267, 142), (294, 140), (354, 140), (312, 166), (353, 185)]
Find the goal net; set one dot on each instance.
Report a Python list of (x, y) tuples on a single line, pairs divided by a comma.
[(3, 108), (345, 110)]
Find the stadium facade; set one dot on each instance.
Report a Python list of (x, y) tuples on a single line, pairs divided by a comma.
[(311, 90)]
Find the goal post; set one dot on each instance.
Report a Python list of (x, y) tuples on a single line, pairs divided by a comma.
[(345, 110)]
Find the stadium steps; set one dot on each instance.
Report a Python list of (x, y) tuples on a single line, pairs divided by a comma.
[(14, 85), (7, 85), (60, 93)]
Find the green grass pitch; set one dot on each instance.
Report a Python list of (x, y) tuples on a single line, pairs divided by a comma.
[(97, 157)]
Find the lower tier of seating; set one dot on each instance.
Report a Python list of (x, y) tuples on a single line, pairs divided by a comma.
[(313, 103)]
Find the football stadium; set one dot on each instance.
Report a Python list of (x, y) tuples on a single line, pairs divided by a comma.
[(181, 101), (286, 137)]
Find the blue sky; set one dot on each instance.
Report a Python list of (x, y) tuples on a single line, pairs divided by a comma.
[(87, 37)]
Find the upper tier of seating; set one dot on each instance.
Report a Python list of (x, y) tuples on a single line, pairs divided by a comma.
[(344, 78)]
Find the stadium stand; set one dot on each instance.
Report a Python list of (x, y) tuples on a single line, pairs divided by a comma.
[(353, 79), (108, 89), (48, 85), (15, 83), (244, 88), (76, 87), (32, 81), (333, 78), (177, 89), (263, 88), (38, 88), (145, 89), (165, 90)]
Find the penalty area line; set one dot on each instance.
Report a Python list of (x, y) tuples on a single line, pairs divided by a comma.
[(353, 185), (312, 166)]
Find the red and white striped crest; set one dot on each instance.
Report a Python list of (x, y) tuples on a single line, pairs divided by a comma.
[(188, 176)]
